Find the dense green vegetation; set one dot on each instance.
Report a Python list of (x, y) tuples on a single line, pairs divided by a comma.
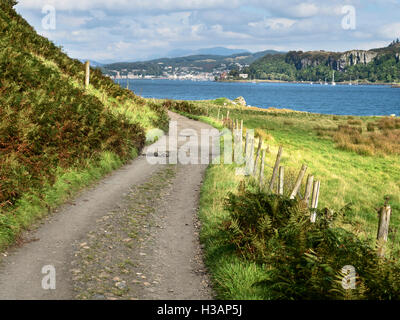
[(260, 246), (304, 260), (318, 66), (51, 128), (197, 63)]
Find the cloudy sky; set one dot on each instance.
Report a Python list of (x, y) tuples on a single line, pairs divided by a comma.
[(130, 30)]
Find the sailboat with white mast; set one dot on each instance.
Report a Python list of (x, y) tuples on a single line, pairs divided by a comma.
[(333, 79)]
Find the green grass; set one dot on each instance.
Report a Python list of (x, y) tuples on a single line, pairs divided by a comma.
[(232, 276), (135, 113), (346, 177), (55, 135), (36, 204)]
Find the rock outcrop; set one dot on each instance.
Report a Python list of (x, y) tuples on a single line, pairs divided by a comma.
[(240, 101), (335, 60), (354, 57)]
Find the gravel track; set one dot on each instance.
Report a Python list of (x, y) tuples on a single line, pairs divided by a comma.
[(134, 235)]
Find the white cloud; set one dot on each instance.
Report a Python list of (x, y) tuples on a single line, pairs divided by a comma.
[(303, 10), (140, 29), (72, 21), (276, 24), (390, 31), (131, 5)]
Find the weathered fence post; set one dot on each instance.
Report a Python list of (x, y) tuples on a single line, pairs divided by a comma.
[(219, 109), (241, 127), (262, 168), (275, 172), (87, 74), (314, 201), (307, 193), (250, 158), (227, 115), (258, 155), (298, 182), (383, 228), (281, 180)]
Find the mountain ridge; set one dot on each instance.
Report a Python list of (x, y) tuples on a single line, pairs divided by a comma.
[(193, 63), (378, 64)]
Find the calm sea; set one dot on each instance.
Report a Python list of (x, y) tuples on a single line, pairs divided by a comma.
[(316, 98)]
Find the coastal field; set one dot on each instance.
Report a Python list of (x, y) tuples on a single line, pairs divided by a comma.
[(357, 174)]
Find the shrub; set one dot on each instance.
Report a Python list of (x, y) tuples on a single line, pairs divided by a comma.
[(185, 107), (349, 130), (370, 127), (260, 133), (354, 122), (46, 122), (388, 123), (303, 260)]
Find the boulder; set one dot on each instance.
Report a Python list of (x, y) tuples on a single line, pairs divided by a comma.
[(240, 101)]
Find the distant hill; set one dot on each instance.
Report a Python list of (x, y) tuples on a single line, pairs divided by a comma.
[(381, 64), (192, 63), (93, 63), (219, 51)]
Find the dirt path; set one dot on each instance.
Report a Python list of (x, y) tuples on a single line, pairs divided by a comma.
[(132, 236)]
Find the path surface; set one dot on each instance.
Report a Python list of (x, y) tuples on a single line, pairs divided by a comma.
[(142, 218)]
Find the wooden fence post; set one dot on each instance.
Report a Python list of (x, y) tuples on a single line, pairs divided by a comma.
[(298, 182), (262, 168), (383, 228), (87, 74), (258, 155), (227, 115), (219, 109), (314, 201), (275, 172), (307, 193), (281, 180)]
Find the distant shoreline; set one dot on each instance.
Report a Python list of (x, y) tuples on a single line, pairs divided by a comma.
[(394, 85)]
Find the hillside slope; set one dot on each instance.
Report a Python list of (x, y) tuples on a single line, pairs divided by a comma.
[(381, 65), (192, 63), (50, 125)]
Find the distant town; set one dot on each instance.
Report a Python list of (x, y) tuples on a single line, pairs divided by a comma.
[(201, 67), (179, 73)]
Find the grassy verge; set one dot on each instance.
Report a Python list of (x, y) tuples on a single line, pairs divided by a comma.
[(38, 203), (347, 178), (55, 146), (232, 276)]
